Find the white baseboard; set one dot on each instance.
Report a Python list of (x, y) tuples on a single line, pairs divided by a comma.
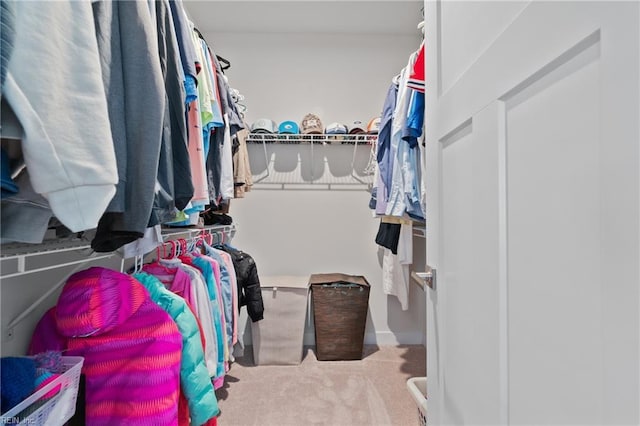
[(382, 338), (389, 338)]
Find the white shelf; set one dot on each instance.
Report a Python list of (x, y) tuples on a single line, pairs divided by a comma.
[(318, 162), (308, 139), (20, 259), (59, 253)]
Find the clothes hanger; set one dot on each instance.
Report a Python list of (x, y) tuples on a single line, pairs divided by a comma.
[(183, 247), (172, 253), (225, 64)]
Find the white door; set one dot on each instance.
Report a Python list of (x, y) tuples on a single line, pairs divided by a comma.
[(533, 212)]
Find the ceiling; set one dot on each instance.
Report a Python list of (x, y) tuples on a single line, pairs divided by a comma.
[(342, 17)]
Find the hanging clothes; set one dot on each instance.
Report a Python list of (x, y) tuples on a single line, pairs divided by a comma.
[(143, 70), (175, 130), (229, 292), (206, 270), (173, 273), (417, 77), (188, 56), (196, 156), (249, 291), (383, 156), (402, 173), (217, 274), (398, 191), (242, 177), (71, 163), (129, 50), (194, 377)]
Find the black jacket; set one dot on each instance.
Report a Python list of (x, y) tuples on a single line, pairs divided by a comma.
[(249, 292)]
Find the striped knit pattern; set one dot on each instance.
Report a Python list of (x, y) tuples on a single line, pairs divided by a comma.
[(132, 348)]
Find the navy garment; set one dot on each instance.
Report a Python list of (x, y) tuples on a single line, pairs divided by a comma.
[(18, 380), (388, 236)]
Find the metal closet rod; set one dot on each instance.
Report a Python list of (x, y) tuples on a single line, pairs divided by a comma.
[(220, 234), (220, 230), (195, 232)]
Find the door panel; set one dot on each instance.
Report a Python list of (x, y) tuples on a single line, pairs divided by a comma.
[(469, 165), (539, 37), (555, 318), (533, 203), (468, 28)]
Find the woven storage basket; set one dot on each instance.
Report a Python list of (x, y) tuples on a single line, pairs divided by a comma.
[(340, 304)]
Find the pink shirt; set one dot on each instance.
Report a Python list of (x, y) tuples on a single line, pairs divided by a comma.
[(196, 156), (174, 278)]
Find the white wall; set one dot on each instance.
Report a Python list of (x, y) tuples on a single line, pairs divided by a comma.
[(20, 292), (340, 77)]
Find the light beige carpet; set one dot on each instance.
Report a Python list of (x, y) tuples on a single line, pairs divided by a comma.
[(369, 392)]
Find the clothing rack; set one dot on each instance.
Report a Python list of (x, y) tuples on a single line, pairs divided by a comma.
[(217, 234), (177, 241)]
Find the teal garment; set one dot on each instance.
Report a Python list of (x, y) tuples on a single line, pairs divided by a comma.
[(206, 269), (194, 377)]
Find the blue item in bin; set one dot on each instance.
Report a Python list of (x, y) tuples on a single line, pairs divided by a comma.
[(9, 187), (18, 376)]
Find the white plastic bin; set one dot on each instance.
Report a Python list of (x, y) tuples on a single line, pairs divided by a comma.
[(418, 388), (59, 408), (278, 338)]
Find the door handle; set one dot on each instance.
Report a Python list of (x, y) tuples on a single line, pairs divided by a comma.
[(427, 278)]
